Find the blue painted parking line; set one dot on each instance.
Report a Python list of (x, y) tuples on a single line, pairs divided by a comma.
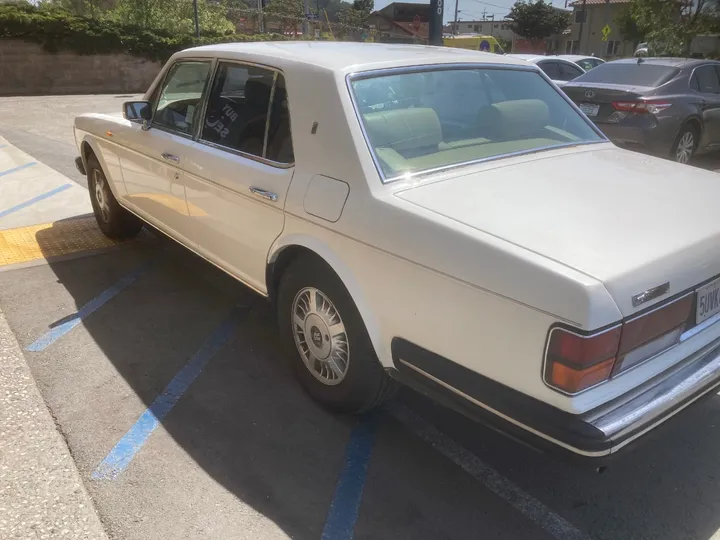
[(18, 168), (124, 451), (34, 200), (340, 521), (108, 294)]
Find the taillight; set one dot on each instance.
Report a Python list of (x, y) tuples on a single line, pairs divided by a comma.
[(574, 362), (652, 107)]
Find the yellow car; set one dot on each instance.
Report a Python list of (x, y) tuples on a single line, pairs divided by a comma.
[(474, 42)]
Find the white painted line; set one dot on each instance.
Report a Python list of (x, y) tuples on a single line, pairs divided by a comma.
[(525, 503)]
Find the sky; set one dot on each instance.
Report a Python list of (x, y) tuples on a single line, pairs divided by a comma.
[(471, 9)]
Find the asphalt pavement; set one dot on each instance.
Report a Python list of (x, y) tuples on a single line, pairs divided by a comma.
[(165, 380)]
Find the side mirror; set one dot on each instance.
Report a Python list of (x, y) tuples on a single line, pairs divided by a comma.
[(138, 111)]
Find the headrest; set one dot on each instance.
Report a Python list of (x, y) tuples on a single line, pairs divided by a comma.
[(404, 129), (520, 118)]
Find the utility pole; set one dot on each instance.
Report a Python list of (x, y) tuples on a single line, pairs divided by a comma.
[(582, 23), (305, 25), (261, 23), (197, 22), (455, 27)]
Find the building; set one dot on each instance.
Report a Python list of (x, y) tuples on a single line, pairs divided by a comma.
[(589, 17), (497, 29), (403, 22)]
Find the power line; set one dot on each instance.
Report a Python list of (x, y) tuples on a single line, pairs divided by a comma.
[(489, 4)]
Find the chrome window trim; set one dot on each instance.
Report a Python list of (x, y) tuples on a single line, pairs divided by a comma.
[(350, 77), (161, 85), (260, 159)]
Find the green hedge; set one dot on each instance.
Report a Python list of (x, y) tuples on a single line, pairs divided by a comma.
[(58, 30)]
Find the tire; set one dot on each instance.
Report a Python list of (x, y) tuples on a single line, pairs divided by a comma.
[(359, 382), (114, 221), (685, 144)]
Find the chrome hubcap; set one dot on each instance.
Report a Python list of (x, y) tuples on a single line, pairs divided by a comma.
[(685, 148), (101, 197), (320, 336)]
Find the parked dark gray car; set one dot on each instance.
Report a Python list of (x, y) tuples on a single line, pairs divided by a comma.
[(665, 106)]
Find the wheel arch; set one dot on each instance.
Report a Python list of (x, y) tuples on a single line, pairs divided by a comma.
[(89, 147), (288, 248)]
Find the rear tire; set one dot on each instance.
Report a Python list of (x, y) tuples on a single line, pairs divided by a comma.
[(114, 221), (685, 144), (325, 337)]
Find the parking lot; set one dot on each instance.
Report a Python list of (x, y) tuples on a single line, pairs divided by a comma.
[(167, 382)]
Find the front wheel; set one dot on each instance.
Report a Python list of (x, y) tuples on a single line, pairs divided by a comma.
[(685, 144), (114, 221), (327, 341)]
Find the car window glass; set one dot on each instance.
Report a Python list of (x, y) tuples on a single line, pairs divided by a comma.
[(707, 80), (551, 69), (437, 118), (694, 83), (586, 64), (568, 72), (180, 96), (279, 141), (237, 109), (642, 74)]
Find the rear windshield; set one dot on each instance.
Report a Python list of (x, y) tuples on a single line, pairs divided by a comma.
[(631, 74), (434, 119)]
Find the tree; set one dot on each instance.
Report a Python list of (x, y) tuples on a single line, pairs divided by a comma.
[(356, 16), (627, 26), (537, 20), (669, 26), (287, 14)]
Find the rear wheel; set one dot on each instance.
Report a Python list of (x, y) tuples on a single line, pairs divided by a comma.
[(327, 341), (114, 221), (685, 144)]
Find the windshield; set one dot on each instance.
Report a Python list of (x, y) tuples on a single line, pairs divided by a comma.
[(634, 74), (433, 119)]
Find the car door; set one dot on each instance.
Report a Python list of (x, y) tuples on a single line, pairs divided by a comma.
[(151, 159), (706, 82), (239, 171)]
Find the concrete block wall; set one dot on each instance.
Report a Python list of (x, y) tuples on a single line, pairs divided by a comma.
[(27, 69)]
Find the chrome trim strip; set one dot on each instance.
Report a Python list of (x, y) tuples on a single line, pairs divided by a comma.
[(444, 67), (259, 159), (267, 116), (699, 327), (503, 416)]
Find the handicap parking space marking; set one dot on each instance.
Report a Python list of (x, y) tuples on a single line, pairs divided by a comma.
[(34, 200), (18, 168), (76, 318), (130, 444), (525, 503), (345, 505)]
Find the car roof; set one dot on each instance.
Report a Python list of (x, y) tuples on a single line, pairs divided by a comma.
[(346, 56), (535, 58), (666, 61), (576, 57)]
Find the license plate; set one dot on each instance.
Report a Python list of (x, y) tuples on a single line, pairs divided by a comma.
[(590, 109), (708, 301)]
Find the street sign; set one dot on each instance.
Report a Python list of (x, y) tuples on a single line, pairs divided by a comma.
[(606, 32)]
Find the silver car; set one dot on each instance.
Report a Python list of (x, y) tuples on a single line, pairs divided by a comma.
[(664, 106)]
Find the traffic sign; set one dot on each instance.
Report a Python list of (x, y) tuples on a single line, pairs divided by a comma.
[(606, 32)]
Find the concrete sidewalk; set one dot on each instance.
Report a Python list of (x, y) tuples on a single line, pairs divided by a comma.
[(41, 494)]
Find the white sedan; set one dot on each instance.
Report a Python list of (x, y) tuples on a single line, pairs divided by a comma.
[(558, 69), (498, 253)]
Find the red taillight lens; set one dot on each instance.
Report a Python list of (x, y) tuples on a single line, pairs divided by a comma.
[(652, 107), (574, 362)]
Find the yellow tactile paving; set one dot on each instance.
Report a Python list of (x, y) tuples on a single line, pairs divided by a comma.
[(51, 240)]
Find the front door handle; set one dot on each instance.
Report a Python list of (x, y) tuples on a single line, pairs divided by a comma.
[(269, 195), (170, 157)]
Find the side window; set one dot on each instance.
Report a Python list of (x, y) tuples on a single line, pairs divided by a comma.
[(694, 82), (180, 96), (568, 72), (237, 110), (707, 80), (279, 141), (551, 69)]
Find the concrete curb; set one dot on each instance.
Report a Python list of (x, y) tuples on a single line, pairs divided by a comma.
[(41, 493)]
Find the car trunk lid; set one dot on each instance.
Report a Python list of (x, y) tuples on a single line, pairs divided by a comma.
[(596, 99), (631, 221)]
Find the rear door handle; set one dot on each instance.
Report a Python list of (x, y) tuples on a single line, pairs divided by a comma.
[(269, 195), (170, 157)]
